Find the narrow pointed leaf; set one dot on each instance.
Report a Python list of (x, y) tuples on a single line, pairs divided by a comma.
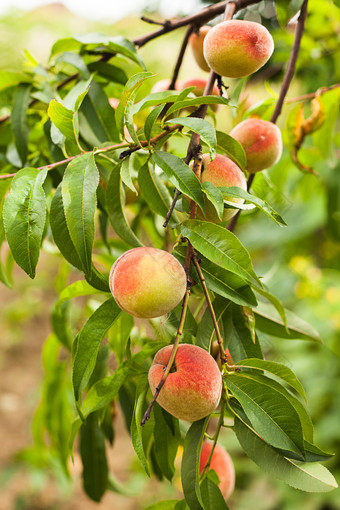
[(281, 371), (227, 145), (220, 247), (88, 343), (199, 126), (115, 201), (151, 120), (190, 464), (271, 414), (306, 476), (155, 192), (19, 120), (78, 190), (268, 321), (180, 175), (136, 428), (24, 216), (206, 330), (93, 455)]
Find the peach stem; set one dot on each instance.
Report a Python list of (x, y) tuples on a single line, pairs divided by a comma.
[(146, 416)]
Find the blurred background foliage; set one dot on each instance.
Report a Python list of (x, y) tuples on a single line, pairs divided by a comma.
[(299, 264)]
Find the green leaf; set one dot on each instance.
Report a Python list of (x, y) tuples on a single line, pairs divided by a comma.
[(281, 371), (155, 192), (60, 232), (190, 464), (269, 321), (220, 247), (180, 175), (226, 144), (127, 48), (206, 330), (156, 98), (167, 437), (76, 61), (212, 496), (124, 111), (9, 79), (214, 195), (93, 456), (150, 121), (97, 118), (269, 411), (196, 101), (222, 282), (237, 192), (65, 120), (24, 216), (104, 391), (115, 201), (310, 477), (136, 428), (76, 289), (199, 126), (243, 333), (19, 119), (4, 185), (78, 190), (125, 174), (88, 343)]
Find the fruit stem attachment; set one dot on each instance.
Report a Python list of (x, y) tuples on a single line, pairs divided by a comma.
[(223, 355), (146, 416)]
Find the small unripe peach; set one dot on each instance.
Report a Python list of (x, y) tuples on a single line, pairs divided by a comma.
[(261, 141), (147, 282), (199, 84), (223, 465), (222, 172), (196, 42), (193, 388), (237, 48)]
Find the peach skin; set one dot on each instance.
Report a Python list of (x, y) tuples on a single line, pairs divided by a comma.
[(199, 84), (196, 42), (223, 465), (237, 48), (261, 141), (193, 387), (147, 282)]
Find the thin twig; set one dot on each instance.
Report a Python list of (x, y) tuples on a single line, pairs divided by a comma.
[(219, 338), (146, 416), (289, 74), (154, 22), (205, 15), (318, 92)]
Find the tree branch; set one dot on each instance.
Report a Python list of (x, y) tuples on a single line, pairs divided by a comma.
[(146, 416), (287, 79)]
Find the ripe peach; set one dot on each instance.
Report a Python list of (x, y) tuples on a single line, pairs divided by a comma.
[(147, 282), (193, 388), (237, 48), (221, 172), (223, 465), (199, 84), (262, 143), (196, 42)]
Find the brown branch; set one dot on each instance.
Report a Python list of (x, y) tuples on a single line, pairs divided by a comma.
[(205, 15), (289, 74), (287, 79), (219, 338), (146, 416), (143, 143), (305, 97), (181, 56)]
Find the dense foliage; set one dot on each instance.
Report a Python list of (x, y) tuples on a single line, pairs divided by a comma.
[(86, 182)]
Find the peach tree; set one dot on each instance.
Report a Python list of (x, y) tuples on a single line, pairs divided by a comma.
[(94, 164)]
